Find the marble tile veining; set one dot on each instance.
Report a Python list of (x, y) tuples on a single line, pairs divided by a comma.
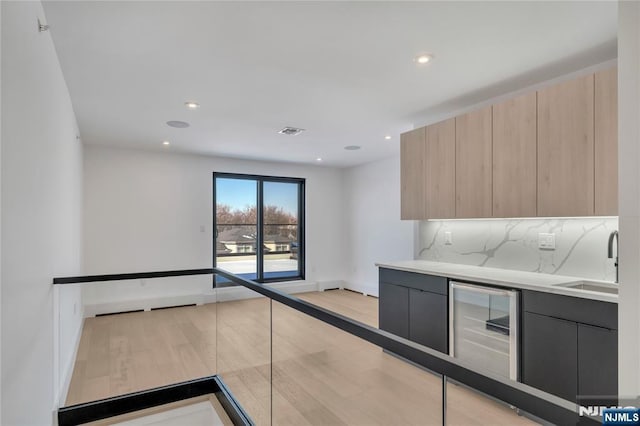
[(581, 245)]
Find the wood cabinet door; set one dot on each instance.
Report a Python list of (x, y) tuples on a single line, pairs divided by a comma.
[(412, 175), (566, 148), (473, 164), (515, 157), (606, 142), (440, 170)]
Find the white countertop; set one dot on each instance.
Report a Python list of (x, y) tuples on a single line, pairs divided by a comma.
[(503, 277)]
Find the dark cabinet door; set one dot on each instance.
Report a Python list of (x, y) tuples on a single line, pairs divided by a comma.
[(597, 365), (550, 355), (428, 319), (393, 309)]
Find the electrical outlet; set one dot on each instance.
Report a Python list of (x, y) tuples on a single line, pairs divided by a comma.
[(448, 239), (75, 308), (201, 228), (546, 241)]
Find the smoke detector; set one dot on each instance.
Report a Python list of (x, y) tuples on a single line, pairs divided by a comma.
[(291, 131)]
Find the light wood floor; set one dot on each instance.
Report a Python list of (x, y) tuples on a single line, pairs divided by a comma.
[(305, 372), (130, 352)]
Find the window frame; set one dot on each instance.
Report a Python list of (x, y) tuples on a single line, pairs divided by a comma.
[(259, 252)]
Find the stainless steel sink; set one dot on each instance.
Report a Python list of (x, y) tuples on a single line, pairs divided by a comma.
[(592, 286)]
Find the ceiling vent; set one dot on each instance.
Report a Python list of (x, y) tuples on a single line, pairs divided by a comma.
[(291, 131)]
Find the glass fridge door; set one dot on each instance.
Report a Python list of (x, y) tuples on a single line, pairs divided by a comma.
[(483, 328)]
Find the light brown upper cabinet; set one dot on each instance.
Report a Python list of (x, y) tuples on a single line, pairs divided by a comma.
[(412, 175), (566, 148), (427, 173), (514, 157), (606, 142), (440, 170), (473, 164), (548, 153)]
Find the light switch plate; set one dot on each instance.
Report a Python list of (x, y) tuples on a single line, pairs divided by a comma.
[(546, 241), (448, 239)]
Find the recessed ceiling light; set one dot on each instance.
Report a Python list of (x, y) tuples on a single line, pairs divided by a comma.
[(387, 137), (318, 159), (352, 147), (291, 131), (423, 58), (165, 143), (178, 124), (192, 105)]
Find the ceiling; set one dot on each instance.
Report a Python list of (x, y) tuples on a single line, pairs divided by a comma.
[(344, 71)]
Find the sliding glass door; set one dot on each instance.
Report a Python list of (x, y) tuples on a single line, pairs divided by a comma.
[(259, 226), (236, 228)]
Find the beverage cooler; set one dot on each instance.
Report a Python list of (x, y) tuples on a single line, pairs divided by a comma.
[(483, 328)]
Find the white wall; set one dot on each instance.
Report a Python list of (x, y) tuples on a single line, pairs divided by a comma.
[(41, 216), (629, 195), (374, 231), (144, 211)]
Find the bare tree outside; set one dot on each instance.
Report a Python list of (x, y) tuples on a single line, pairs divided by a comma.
[(273, 215)]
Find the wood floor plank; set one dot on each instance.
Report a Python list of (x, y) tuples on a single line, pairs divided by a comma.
[(78, 379), (98, 357)]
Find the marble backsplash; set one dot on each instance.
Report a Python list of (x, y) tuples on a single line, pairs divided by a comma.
[(581, 245)]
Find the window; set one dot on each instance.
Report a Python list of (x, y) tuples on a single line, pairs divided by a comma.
[(245, 248), (259, 227)]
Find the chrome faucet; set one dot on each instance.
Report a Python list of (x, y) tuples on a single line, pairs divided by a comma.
[(613, 235)]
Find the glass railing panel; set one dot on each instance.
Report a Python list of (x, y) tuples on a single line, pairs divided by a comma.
[(468, 407), (323, 375), (282, 365), (244, 349), (119, 337)]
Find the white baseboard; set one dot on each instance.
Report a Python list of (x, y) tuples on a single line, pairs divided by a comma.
[(145, 304), (68, 370), (330, 285), (226, 294), (223, 294), (361, 288)]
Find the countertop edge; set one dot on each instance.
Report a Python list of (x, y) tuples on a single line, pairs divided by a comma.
[(546, 288)]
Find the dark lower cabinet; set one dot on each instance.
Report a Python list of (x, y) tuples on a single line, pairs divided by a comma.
[(550, 348), (597, 365), (428, 319), (393, 309), (570, 347), (414, 306)]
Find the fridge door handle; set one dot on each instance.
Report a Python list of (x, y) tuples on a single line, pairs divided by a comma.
[(480, 289)]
